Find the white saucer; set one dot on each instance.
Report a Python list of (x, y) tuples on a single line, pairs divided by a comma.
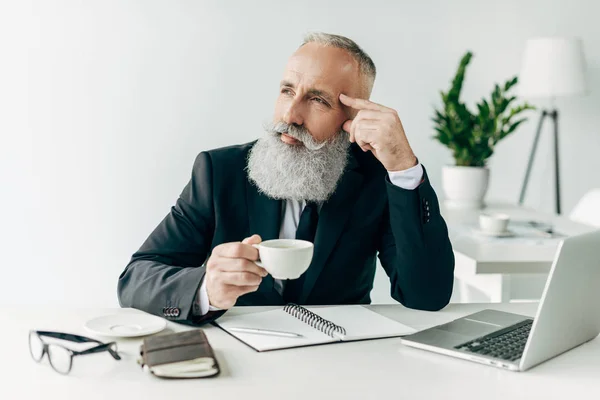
[(125, 325), (506, 233)]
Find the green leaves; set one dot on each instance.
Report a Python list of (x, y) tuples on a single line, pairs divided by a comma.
[(472, 137), (509, 84), (454, 92)]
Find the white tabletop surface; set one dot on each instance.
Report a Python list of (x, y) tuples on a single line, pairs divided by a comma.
[(527, 252), (376, 369)]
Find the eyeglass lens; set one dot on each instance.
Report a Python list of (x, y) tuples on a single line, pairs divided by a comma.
[(36, 346), (59, 357)]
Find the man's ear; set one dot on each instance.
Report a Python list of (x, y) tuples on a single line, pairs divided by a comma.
[(368, 88)]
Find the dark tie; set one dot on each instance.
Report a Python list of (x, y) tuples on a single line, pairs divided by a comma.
[(307, 228)]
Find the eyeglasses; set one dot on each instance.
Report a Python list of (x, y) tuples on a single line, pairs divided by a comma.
[(60, 357)]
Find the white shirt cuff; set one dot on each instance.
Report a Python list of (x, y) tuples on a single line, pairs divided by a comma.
[(205, 306), (408, 179)]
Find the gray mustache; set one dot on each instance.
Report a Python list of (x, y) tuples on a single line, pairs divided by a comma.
[(297, 132)]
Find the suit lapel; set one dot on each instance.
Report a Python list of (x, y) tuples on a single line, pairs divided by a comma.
[(332, 220), (264, 218)]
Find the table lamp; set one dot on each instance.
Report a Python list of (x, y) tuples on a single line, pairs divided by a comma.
[(552, 67)]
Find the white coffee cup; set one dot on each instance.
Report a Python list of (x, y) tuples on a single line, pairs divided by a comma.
[(285, 258), (493, 223)]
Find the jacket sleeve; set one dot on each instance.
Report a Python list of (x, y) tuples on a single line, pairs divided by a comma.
[(165, 274), (414, 248)]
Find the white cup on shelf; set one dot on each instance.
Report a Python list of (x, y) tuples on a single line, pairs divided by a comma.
[(493, 223)]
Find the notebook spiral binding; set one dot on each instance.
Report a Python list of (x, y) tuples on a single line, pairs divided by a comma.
[(312, 319)]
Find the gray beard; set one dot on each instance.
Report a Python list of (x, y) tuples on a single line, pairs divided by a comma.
[(283, 171)]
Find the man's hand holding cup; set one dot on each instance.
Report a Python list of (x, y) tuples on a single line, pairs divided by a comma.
[(231, 272)]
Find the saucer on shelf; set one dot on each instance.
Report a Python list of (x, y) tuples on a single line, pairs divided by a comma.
[(503, 234)]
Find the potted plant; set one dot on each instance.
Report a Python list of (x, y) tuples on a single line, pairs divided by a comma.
[(472, 137)]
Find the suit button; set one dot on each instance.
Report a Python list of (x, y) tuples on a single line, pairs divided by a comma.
[(176, 312)]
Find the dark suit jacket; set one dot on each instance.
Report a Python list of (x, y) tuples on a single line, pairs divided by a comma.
[(367, 215)]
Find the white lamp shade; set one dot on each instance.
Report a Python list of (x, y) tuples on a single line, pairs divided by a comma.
[(553, 67)]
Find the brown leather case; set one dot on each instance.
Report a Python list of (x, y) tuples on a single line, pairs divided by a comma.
[(176, 347)]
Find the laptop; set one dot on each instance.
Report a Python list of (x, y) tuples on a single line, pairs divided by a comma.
[(568, 315)]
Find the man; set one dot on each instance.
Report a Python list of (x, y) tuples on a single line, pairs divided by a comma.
[(334, 168)]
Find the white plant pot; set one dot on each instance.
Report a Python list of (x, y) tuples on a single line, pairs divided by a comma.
[(464, 187)]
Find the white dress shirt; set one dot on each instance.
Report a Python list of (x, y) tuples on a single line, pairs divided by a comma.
[(408, 179)]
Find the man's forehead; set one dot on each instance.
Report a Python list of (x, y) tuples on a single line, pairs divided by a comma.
[(324, 66), (299, 77)]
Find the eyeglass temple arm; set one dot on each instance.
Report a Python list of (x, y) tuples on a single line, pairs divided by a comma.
[(82, 339), (100, 348), (68, 336)]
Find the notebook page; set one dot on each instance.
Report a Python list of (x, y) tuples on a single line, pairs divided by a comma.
[(200, 367), (277, 320), (361, 323)]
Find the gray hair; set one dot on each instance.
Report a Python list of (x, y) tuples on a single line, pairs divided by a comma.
[(366, 64)]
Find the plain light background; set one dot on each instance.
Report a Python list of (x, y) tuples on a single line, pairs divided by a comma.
[(105, 104)]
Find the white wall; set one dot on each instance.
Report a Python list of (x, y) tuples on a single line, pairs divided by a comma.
[(104, 104)]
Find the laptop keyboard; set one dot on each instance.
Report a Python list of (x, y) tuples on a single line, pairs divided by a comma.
[(507, 344)]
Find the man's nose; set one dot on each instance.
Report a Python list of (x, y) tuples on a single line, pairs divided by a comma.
[(293, 114)]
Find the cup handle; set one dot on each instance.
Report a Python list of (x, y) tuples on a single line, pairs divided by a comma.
[(257, 247)]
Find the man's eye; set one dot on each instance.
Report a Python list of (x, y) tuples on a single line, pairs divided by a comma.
[(320, 100), (286, 91)]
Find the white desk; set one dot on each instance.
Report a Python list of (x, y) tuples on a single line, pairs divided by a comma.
[(499, 270), (378, 369)]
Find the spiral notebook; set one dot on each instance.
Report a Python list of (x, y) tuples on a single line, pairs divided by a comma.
[(317, 325)]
